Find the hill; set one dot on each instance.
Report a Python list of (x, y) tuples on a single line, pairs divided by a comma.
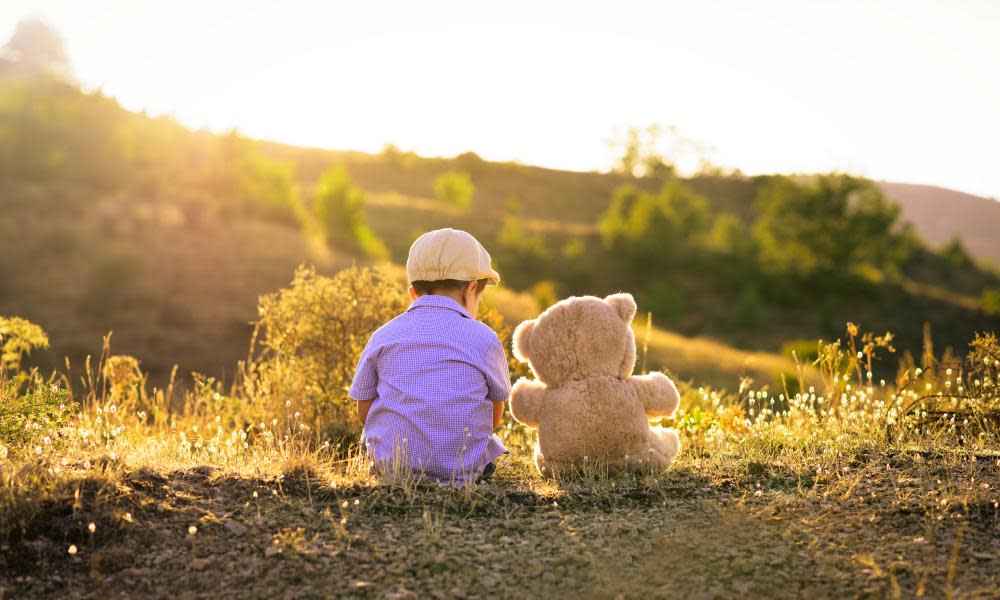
[(940, 214), (124, 222)]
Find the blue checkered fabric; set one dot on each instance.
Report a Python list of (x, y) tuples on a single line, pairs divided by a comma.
[(434, 373)]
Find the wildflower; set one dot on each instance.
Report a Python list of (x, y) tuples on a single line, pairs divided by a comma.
[(72, 549), (192, 530), (92, 527)]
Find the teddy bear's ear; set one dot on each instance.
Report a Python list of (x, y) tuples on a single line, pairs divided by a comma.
[(522, 340), (624, 305)]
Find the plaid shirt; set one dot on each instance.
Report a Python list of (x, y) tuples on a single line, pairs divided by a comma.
[(434, 373)]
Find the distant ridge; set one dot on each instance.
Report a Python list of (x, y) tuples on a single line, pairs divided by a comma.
[(939, 214)]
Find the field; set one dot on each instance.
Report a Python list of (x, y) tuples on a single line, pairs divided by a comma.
[(833, 490), (181, 313)]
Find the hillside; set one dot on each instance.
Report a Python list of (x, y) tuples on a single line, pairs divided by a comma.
[(126, 223), (940, 214)]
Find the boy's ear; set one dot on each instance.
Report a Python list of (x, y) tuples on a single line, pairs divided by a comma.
[(522, 340), (624, 305)]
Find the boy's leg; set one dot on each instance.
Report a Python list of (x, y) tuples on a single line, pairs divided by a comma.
[(488, 471)]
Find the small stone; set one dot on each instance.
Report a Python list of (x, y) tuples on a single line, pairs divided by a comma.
[(235, 527)]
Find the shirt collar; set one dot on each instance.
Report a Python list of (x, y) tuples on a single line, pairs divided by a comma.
[(436, 301)]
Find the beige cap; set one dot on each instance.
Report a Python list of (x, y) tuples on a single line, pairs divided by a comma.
[(449, 254)]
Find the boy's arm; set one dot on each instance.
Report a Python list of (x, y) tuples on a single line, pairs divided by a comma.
[(364, 388), (498, 414), (363, 407), (497, 379)]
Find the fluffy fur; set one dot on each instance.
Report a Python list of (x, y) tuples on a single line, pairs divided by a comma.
[(585, 401)]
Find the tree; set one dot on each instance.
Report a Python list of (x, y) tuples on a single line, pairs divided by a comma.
[(339, 208), (639, 154), (35, 49), (655, 230), (454, 187), (830, 229)]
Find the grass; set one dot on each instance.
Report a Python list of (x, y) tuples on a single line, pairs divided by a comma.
[(845, 490)]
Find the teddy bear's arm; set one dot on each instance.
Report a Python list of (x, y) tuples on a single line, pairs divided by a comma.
[(526, 401), (657, 393)]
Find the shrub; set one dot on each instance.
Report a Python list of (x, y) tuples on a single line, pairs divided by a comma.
[(749, 308), (339, 208), (454, 187), (652, 231), (253, 184), (990, 301), (826, 231), (523, 257), (313, 335), (31, 411), (18, 337)]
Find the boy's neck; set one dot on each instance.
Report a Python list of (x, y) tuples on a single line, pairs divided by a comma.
[(454, 297)]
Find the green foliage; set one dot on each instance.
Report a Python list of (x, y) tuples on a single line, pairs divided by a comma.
[(545, 293), (30, 410), (32, 416), (254, 184), (339, 208), (639, 155), (954, 258), (18, 337), (748, 312), (806, 351), (454, 187), (664, 300), (313, 334), (826, 231), (990, 301), (523, 258), (655, 230)]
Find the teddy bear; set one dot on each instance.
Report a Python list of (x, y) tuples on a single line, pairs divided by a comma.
[(584, 400)]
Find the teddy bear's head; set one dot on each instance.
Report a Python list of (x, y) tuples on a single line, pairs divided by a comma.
[(579, 338)]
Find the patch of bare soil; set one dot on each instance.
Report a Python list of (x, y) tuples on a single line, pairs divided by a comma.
[(885, 530)]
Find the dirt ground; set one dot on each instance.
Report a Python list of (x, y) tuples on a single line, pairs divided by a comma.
[(889, 529)]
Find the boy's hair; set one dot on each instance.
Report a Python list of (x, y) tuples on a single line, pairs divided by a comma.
[(445, 285)]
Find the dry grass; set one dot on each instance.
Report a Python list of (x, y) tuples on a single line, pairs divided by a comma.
[(824, 493)]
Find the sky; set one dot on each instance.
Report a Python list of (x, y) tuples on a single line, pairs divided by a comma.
[(901, 91)]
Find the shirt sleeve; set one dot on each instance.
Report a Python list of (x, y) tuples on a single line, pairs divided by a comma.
[(365, 384), (497, 374)]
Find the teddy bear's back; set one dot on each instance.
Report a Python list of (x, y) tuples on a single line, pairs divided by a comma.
[(596, 419)]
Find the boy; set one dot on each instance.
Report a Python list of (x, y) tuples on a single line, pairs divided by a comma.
[(431, 383)]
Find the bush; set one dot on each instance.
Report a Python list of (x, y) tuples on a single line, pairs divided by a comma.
[(749, 308), (990, 301), (31, 411), (828, 231), (18, 337), (653, 231), (253, 184), (454, 187), (523, 257), (313, 335), (339, 208)]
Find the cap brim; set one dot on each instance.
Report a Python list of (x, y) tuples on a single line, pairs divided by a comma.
[(493, 278)]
